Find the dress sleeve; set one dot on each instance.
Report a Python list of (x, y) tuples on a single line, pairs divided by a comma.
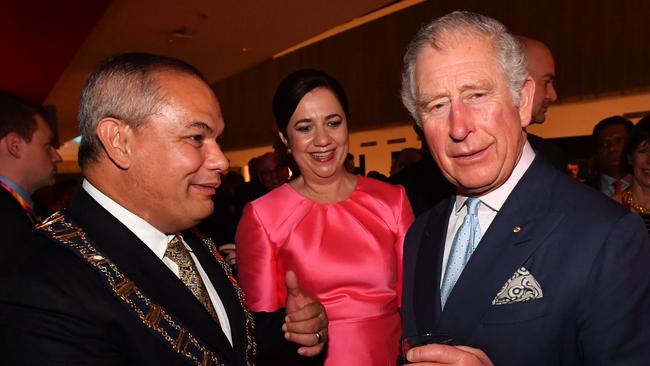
[(257, 264), (404, 220)]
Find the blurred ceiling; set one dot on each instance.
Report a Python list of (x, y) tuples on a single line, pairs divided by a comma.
[(50, 47)]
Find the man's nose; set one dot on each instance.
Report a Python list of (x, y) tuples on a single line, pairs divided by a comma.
[(551, 94), (56, 157), (216, 159), (460, 123)]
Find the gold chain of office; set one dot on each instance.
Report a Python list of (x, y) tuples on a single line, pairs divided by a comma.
[(62, 230)]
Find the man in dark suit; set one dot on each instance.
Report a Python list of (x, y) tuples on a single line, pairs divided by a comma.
[(423, 181), (28, 161), (610, 137), (117, 278), (523, 266), (541, 68)]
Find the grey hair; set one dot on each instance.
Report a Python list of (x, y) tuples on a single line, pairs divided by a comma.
[(123, 87), (439, 32)]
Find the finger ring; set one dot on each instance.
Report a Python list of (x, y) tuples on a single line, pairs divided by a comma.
[(319, 337)]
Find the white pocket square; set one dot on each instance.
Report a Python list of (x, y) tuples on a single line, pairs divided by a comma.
[(521, 287)]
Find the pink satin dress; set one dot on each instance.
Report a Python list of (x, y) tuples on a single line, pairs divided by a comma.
[(347, 254)]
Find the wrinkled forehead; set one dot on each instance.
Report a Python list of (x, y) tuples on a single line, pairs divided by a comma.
[(446, 39), (464, 61)]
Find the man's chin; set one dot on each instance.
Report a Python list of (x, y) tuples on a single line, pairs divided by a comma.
[(204, 211)]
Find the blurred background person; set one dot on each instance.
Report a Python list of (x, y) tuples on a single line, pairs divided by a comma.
[(341, 233), (56, 197), (574, 170), (405, 158), (637, 152), (267, 172), (28, 161), (349, 164), (220, 226), (610, 136), (423, 181), (541, 68), (271, 172)]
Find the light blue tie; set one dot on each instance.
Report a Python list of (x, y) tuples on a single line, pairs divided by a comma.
[(465, 241)]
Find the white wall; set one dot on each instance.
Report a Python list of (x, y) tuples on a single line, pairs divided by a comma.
[(579, 118)]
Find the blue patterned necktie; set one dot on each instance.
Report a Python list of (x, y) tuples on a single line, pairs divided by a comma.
[(465, 241)]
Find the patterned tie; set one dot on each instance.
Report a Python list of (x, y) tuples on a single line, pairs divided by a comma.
[(465, 241), (188, 273)]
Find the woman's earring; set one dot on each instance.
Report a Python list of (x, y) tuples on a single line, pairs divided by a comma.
[(288, 150)]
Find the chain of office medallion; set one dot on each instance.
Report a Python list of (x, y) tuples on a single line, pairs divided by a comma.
[(64, 232)]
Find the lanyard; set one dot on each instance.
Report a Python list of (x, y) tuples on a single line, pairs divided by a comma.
[(23, 203)]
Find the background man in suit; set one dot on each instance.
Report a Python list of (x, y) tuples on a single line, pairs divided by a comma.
[(541, 68), (610, 136), (529, 267), (151, 160), (28, 161), (423, 181)]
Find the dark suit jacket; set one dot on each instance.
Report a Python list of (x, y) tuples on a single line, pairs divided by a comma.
[(424, 183), (589, 255), (55, 310), (550, 151), (14, 224)]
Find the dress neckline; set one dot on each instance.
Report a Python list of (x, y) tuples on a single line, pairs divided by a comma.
[(356, 188)]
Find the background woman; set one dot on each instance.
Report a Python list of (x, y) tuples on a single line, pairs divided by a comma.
[(342, 234), (637, 151)]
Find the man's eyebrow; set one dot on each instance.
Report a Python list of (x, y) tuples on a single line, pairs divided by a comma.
[(428, 98), (54, 142), (483, 84), (202, 126)]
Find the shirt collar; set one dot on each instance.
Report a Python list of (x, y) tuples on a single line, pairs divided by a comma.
[(607, 180), (18, 190), (496, 198), (152, 237)]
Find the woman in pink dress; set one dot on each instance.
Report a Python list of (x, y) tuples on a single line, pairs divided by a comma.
[(342, 234)]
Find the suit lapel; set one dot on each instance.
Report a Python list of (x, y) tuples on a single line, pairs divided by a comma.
[(427, 286), (227, 294), (150, 274), (519, 228)]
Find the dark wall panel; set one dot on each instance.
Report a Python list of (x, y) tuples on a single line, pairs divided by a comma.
[(601, 48)]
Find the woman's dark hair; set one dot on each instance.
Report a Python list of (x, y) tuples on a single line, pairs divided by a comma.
[(294, 87), (640, 133)]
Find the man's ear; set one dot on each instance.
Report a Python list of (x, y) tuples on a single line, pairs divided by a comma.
[(526, 101), (14, 143), (115, 135)]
